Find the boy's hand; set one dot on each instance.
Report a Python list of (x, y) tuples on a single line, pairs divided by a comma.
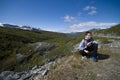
[(86, 51), (89, 44)]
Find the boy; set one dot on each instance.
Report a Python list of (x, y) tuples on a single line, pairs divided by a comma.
[(88, 47)]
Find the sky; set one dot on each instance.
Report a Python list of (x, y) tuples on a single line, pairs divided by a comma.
[(61, 15)]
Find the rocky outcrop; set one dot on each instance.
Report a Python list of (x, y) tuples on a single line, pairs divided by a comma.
[(75, 48), (28, 74), (43, 47)]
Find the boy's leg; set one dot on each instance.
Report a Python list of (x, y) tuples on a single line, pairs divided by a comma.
[(94, 52), (83, 53), (95, 48)]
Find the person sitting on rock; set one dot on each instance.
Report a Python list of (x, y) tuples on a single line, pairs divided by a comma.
[(88, 47)]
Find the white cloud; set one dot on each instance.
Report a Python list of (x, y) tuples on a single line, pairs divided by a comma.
[(91, 24), (68, 18), (89, 8), (92, 10), (86, 8), (1, 24)]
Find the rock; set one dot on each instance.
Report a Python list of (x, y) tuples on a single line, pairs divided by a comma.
[(7, 75), (75, 48), (43, 68), (44, 47), (1, 78), (20, 73), (48, 65), (20, 57), (36, 70), (26, 76), (16, 76), (35, 67), (45, 72)]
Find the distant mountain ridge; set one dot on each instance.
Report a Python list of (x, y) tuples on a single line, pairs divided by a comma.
[(112, 31), (19, 27)]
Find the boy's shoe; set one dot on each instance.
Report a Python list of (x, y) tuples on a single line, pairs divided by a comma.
[(83, 58), (94, 58)]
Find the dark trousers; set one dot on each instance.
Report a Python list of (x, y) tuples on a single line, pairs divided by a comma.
[(92, 49)]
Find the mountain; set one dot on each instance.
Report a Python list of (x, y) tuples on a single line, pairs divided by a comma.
[(10, 26), (26, 28), (112, 31), (19, 27)]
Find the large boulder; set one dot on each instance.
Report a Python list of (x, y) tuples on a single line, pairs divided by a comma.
[(20, 57), (44, 47)]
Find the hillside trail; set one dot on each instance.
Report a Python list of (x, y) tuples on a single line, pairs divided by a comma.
[(72, 68)]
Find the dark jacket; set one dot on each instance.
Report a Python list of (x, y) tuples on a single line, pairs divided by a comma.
[(83, 44)]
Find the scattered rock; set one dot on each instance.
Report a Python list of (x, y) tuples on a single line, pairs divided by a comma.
[(20, 57), (7, 75), (43, 70), (75, 48)]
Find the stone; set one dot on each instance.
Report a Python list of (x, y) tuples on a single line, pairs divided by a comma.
[(20, 57), (75, 48), (7, 75), (35, 67), (43, 46), (36, 70), (48, 65), (16, 76), (45, 72), (1, 78), (25, 76)]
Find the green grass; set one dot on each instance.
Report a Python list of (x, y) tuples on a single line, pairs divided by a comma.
[(103, 39), (13, 41), (114, 30)]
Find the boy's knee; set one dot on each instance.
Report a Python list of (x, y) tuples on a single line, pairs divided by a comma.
[(95, 45)]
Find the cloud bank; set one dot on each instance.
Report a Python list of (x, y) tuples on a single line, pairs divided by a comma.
[(90, 24), (68, 18)]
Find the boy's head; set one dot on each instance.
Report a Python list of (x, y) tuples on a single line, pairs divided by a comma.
[(88, 35)]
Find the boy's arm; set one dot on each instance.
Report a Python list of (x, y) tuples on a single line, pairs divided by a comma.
[(94, 41), (82, 45)]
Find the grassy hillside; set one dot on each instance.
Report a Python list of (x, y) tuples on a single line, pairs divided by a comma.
[(114, 30), (73, 68), (13, 41)]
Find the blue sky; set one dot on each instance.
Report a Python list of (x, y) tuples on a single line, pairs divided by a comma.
[(61, 15)]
